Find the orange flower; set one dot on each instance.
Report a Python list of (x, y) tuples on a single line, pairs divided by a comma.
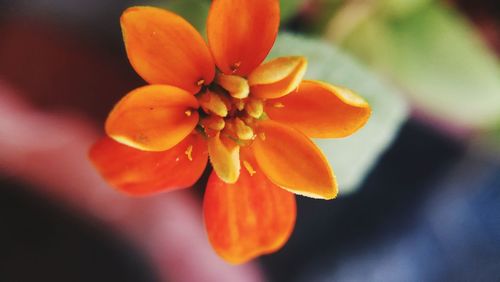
[(254, 121)]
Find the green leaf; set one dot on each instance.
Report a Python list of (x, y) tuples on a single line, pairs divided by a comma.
[(289, 8), (400, 8), (435, 55), (194, 11), (351, 157)]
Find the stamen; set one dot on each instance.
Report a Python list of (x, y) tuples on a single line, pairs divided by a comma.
[(249, 168), (189, 152), (213, 103), (278, 105), (200, 82), (237, 86), (188, 113), (243, 131), (255, 108), (213, 122)]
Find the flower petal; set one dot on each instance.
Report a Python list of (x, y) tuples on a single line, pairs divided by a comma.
[(293, 161), (153, 117), (225, 157), (164, 48), (142, 173), (277, 77), (249, 218), (320, 110), (241, 33)]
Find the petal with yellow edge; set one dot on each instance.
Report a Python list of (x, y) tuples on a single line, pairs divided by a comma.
[(277, 77), (291, 160), (140, 173), (249, 218), (224, 157), (320, 110), (241, 33), (153, 117), (164, 48)]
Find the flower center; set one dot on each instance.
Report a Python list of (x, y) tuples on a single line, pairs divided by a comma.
[(228, 107)]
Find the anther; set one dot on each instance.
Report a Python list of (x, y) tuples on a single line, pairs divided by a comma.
[(254, 108), (189, 152), (188, 113), (213, 122), (249, 168), (237, 86), (213, 103), (243, 131)]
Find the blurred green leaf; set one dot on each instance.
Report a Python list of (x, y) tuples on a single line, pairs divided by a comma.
[(401, 8), (436, 56), (351, 157), (289, 8), (194, 11)]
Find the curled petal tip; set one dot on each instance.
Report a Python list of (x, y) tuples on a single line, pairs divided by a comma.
[(277, 77)]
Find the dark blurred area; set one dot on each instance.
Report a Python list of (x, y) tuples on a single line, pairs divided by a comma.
[(429, 211), (486, 16)]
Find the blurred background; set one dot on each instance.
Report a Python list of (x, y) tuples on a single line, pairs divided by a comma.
[(420, 184)]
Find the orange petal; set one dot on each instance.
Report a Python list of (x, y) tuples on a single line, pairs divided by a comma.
[(293, 161), (142, 173), (153, 117), (164, 48), (249, 218), (277, 77), (225, 157), (241, 33), (320, 110)]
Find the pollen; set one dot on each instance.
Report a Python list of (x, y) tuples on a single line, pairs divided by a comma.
[(200, 82), (189, 152), (188, 113), (278, 105), (262, 136), (249, 168), (234, 67)]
